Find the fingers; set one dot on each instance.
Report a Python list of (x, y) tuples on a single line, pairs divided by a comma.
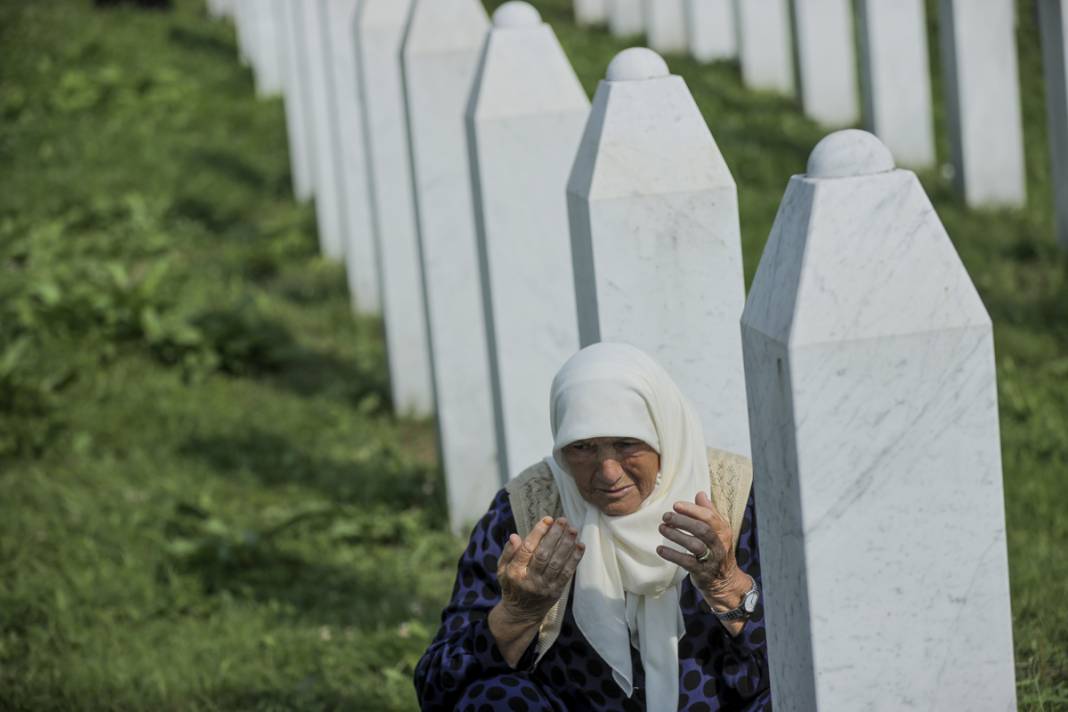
[(526, 551), (698, 528), (677, 557), (565, 549), (691, 543), (572, 563), (702, 512), (557, 535), (510, 547)]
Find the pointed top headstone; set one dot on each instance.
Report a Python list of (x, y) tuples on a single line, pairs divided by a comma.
[(516, 15), (849, 153), (635, 64)]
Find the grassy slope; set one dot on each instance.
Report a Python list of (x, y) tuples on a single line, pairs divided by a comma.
[(203, 501)]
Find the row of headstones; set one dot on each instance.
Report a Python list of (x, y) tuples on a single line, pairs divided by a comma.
[(889, 46), (514, 222)]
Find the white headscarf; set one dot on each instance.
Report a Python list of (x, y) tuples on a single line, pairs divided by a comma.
[(624, 591)]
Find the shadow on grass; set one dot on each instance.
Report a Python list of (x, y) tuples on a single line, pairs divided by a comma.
[(312, 373), (234, 167), (386, 477), (364, 597), (198, 41)]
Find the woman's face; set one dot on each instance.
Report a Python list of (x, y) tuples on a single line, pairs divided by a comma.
[(613, 474)]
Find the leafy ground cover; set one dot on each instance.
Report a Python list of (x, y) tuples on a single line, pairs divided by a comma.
[(205, 499)]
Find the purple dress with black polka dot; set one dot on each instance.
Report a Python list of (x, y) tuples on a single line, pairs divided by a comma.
[(463, 669)]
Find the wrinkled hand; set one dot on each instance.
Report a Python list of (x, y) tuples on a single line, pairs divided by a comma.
[(699, 528), (533, 572)]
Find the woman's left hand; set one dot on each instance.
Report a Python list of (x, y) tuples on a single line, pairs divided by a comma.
[(701, 530)]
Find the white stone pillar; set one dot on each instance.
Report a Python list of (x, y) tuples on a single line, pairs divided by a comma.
[(441, 57), (712, 28), (665, 25), (896, 78), (309, 14), (626, 18), (1055, 65), (524, 123), (297, 103), (242, 30), (268, 42), (983, 100), (765, 46), (827, 60), (870, 370), (361, 252), (653, 205), (379, 37), (591, 12)]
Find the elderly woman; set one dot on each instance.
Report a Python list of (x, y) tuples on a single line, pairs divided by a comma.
[(607, 577)]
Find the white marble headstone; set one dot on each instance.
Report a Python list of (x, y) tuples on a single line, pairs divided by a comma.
[(1054, 22), (896, 78), (524, 123), (656, 241), (243, 30), (380, 34), (870, 371), (626, 18), (827, 60), (320, 111), (294, 84), (765, 46), (983, 100), (361, 251), (712, 27), (665, 25), (219, 8), (269, 42), (591, 12), (441, 56)]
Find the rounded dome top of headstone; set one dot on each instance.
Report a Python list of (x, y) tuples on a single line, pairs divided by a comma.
[(849, 153), (516, 14), (635, 64)]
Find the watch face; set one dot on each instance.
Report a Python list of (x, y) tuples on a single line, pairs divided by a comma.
[(750, 602)]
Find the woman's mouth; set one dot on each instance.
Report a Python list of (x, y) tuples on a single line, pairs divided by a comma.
[(617, 492)]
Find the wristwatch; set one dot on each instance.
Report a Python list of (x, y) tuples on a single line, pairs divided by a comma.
[(747, 607)]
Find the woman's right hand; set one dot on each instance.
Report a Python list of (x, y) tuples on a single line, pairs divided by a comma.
[(534, 572)]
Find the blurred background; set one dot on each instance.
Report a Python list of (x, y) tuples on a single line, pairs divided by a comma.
[(206, 501)]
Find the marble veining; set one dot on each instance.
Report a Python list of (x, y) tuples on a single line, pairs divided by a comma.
[(872, 392), (656, 241)]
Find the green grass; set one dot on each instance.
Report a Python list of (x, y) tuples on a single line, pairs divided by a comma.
[(205, 502)]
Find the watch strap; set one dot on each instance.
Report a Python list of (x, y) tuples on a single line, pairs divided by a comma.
[(740, 612)]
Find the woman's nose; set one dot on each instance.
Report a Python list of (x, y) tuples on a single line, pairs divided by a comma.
[(611, 468)]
